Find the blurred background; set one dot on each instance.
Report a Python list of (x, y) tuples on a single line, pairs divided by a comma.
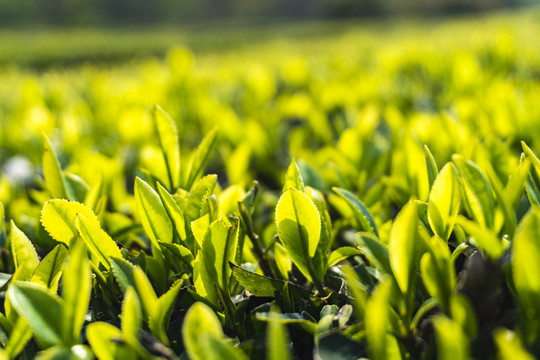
[(352, 89)]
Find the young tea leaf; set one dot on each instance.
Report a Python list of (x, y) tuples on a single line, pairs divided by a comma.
[(444, 200), (153, 216), (299, 227), (173, 210), (161, 313), (293, 178), (201, 157), (24, 253), (76, 289), (452, 343), (40, 308), (59, 217), (431, 166), (526, 263), (477, 192), (167, 135), (199, 324), (104, 339), (509, 346), (48, 271), (54, 179), (361, 213), (403, 246), (100, 244)]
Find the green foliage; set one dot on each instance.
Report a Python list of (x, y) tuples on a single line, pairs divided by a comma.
[(405, 226)]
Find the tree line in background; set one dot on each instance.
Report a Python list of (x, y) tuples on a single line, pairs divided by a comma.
[(88, 12)]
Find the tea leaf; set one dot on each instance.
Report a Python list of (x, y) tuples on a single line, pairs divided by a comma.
[(24, 253), (452, 344), (59, 217), (361, 213), (444, 201), (277, 340), (200, 323), (341, 254), (403, 246), (526, 263), (41, 309), (161, 313), (200, 158), (167, 135), (293, 178), (256, 284), (377, 320), (173, 210), (509, 346), (154, 218), (477, 192), (431, 166), (218, 249), (54, 179), (76, 289), (49, 270), (299, 227), (105, 341), (97, 240)]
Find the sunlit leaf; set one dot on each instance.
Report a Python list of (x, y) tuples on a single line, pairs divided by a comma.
[(59, 216), (299, 228), (153, 216), (167, 135), (201, 157), (97, 240), (444, 201), (40, 308)]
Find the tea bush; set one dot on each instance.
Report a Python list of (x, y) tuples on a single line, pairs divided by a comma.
[(395, 212)]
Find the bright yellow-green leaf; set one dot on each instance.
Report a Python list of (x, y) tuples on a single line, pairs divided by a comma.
[(24, 253), (161, 313), (145, 291), (201, 157), (100, 244), (444, 200), (131, 319), (167, 135), (299, 227), (526, 263), (377, 320), (54, 179), (360, 211), (153, 216), (19, 337), (277, 342), (175, 213), (478, 196), (509, 346), (76, 289), (486, 239), (452, 343), (194, 203), (40, 308), (431, 166), (104, 339), (403, 246), (59, 216), (219, 247), (463, 313), (293, 178), (48, 271), (203, 282), (200, 323), (199, 228)]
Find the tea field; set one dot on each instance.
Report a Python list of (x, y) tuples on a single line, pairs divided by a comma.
[(368, 189)]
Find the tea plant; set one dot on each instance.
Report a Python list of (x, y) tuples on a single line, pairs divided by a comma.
[(188, 273)]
